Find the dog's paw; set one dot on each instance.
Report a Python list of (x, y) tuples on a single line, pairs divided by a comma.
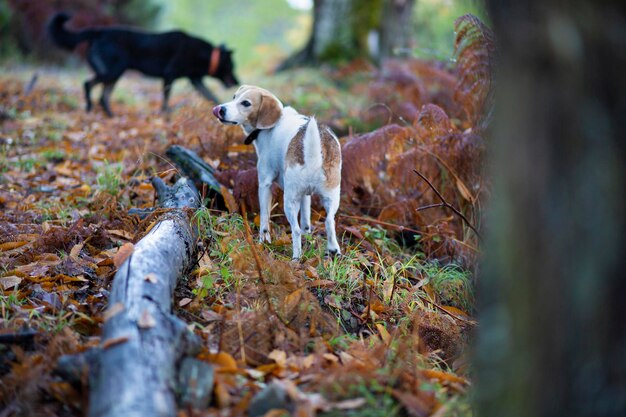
[(264, 236), (333, 253), (307, 229)]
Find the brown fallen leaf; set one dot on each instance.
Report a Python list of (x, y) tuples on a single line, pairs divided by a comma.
[(10, 282), (76, 250), (384, 334), (11, 245), (443, 376), (278, 356), (222, 396), (293, 299), (78, 278), (210, 315), (321, 283), (224, 361), (463, 190), (123, 234), (457, 312), (123, 253), (415, 406), (330, 357)]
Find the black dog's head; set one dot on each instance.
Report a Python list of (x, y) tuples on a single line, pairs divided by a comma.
[(221, 66)]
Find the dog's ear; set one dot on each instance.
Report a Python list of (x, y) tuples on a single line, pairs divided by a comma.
[(269, 112)]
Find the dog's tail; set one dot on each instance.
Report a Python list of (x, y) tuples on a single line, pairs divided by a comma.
[(64, 38), (312, 144)]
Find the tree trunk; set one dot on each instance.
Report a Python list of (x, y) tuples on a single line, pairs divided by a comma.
[(340, 32), (142, 340), (396, 28), (552, 339)]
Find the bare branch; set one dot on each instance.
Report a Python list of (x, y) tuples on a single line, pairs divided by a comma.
[(444, 203)]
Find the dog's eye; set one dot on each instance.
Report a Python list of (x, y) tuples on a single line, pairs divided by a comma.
[(246, 103)]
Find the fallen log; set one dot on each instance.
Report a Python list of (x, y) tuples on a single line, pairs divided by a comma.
[(199, 171), (142, 341)]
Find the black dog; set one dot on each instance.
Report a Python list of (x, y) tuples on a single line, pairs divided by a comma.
[(169, 55)]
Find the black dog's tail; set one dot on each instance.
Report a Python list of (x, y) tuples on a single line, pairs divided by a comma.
[(64, 38)]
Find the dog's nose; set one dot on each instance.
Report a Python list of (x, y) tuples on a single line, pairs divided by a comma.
[(218, 111)]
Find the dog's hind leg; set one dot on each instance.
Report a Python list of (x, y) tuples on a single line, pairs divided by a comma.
[(89, 84), (203, 90), (292, 206), (330, 200), (105, 97), (305, 214), (107, 89)]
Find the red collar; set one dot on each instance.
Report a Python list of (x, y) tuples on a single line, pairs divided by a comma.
[(215, 61)]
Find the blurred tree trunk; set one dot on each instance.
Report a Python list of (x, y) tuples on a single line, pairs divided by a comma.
[(396, 29), (345, 29), (552, 339)]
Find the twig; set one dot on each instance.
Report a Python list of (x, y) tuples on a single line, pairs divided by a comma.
[(444, 203), (380, 223), (242, 346), (443, 310)]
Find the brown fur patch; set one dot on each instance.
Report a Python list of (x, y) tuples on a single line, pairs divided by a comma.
[(269, 111), (295, 151), (331, 157)]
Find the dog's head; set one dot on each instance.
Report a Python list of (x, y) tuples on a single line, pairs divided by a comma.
[(221, 66), (252, 108)]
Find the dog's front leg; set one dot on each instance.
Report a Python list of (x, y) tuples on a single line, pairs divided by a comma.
[(167, 89), (265, 204), (203, 90)]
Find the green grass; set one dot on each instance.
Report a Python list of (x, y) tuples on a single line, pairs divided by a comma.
[(109, 178), (378, 400), (55, 210), (27, 164), (452, 284), (54, 155), (215, 232)]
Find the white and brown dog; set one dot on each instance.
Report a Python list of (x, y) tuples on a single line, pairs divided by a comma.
[(293, 150)]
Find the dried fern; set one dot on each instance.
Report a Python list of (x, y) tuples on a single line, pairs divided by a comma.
[(475, 50)]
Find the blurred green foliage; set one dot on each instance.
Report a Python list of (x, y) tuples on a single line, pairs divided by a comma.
[(139, 12), (6, 47), (434, 25)]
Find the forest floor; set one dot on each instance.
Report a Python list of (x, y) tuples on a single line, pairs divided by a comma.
[(379, 331)]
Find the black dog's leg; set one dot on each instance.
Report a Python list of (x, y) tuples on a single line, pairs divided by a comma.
[(89, 84), (201, 88), (106, 95), (167, 89)]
